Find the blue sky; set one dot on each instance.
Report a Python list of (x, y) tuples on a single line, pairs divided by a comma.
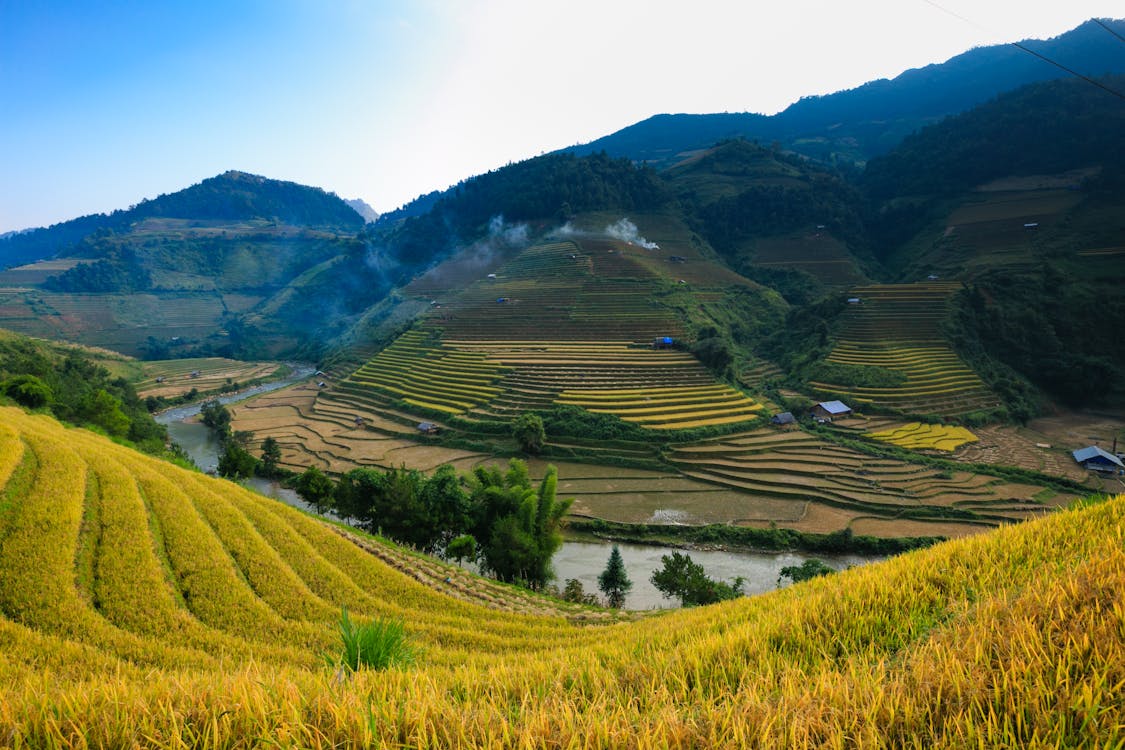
[(104, 104)]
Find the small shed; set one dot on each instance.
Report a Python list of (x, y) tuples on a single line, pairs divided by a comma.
[(932, 277), (783, 418), (826, 411), (501, 300), (677, 259), (427, 428), (492, 276), (1031, 225), (663, 342), (853, 300), (1097, 459)]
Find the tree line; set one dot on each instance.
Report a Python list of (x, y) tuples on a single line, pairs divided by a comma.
[(495, 517)]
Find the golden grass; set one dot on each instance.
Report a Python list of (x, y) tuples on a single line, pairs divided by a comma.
[(1015, 638), (920, 436)]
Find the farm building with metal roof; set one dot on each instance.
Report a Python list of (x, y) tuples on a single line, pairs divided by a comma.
[(826, 410), (1096, 459)]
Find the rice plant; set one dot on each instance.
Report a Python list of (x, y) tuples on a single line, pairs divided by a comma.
[(378, 644)]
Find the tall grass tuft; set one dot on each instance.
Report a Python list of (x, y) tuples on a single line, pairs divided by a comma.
[(379, 644)]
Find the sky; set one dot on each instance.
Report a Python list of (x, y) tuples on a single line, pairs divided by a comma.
[(105, 104)]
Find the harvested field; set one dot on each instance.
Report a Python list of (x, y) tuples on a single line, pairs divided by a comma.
[(813, 251), (1045, 445), (795, 466), (175, 376), (883, 527)]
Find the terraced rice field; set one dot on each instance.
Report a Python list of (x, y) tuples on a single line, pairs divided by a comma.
[(564, 322), (118, 322), (896, 327), (658, 389), (418, 369), (559, 291), (813, 251), (174, 376), (834, 487), (667, 408), (919, 436)]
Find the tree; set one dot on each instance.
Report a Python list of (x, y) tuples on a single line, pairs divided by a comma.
[(354, 493), (529, 433), (809, 569), (216, 416), (614, 581), (271, 456), (315, 488), (573, 592), (236, 462), (522, 525), (687, 580), (460, 548), (446, 506), (713, 352), (104, 410)]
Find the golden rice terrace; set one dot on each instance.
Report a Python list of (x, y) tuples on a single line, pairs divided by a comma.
[(146, 605)]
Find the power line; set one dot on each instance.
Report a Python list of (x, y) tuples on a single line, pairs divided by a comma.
[(1044, 58), (1116, 93), (1111, 31)]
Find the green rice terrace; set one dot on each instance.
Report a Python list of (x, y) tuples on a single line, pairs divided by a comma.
[(896, 327)]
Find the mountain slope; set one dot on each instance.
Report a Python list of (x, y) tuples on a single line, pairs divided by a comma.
[(231, 198), (209, 632), (857, 124), (1020, 200), (175, 275)]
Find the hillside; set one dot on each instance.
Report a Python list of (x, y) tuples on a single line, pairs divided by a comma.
[(210, 631), (176, 275), (1025, 213), (78, 385), (855, 125)]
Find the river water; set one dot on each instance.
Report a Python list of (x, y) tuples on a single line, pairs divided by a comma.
[(581, 560)]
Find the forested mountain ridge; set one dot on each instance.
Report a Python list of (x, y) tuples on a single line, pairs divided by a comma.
[(854, 125), (227, 198)]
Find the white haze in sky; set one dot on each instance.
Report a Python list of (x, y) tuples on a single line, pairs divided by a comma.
[(108, 103)]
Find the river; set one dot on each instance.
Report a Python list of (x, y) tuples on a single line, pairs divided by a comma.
[(580, 560)]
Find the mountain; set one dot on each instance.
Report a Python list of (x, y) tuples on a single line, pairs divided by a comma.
[(198, 608), (231, 197), (369, 214), (178, 273), (854, 125)]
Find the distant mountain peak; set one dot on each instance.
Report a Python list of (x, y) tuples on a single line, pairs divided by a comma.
[(362, 208)]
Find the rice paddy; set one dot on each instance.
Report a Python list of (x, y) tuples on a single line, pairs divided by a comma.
[(918, 436), (142, 604), (896, 327), (810, 475)]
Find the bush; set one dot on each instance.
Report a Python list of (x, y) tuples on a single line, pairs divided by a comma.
[(529, 433), (379, 644), (809, 569), (28, 391)]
